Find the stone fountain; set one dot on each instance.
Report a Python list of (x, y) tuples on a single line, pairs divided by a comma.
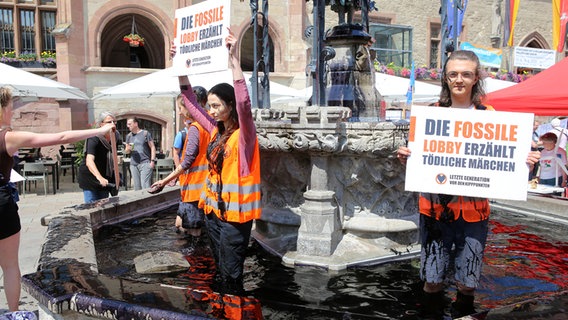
[(333, 192)]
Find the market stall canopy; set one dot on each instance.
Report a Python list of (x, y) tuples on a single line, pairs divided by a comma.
[(544, 94), (27, 84), (165, 83)]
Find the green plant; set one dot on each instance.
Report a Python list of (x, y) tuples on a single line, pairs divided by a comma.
[(80, 148), (80, 152), (8, 57), (9, 54), (27, 57)]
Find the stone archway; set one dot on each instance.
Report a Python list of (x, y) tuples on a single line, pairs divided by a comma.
[(117, 53), (155, 123), (247, 49)]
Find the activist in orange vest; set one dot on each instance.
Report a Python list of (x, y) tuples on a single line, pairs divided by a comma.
[(453, 228), (191, 180), (231, 197), (444, 207), (239, 200), (192, 172)]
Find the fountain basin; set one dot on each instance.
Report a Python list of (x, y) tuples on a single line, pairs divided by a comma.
[(389, 290)]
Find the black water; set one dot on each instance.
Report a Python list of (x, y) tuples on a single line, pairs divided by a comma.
[(524, 259)]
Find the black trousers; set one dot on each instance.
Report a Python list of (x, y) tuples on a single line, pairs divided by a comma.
[(229, 242)]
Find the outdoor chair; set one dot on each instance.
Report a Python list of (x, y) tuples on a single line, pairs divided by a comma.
[(66, 164), (34, 171), (164, 167)]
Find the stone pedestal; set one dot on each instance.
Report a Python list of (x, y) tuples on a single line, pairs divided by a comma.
[(320, 230)]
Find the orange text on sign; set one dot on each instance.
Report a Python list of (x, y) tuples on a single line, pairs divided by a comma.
[(489, 131)]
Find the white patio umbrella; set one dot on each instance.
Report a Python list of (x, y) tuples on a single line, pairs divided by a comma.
[(27, 84), (394, 88), (165, 83), (496, 84)]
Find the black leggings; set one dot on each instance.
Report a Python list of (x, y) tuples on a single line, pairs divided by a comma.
[(229, 242)]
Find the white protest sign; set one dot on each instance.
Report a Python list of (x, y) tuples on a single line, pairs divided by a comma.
[(199, 36), (467, 152), (534, 58)]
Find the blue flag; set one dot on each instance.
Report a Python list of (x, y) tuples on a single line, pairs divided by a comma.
[(410, 91), (455, 31)]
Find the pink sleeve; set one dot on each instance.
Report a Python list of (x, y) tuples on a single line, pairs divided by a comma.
[(198, 113), (247, 138)]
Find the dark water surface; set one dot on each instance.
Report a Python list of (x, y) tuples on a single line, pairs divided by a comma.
[(525, 258)]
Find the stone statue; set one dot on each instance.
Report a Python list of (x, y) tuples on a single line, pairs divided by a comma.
[(496, 21), (346, 8)]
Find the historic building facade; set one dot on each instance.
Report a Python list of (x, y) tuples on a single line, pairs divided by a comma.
[(87, 37)]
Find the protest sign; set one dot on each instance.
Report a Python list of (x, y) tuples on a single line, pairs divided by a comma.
[(469, 152), (199, 36)]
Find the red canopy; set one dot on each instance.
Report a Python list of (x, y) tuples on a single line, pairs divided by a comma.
[(545, 94)]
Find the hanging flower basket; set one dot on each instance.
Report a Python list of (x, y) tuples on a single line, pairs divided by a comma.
[(134, 40)]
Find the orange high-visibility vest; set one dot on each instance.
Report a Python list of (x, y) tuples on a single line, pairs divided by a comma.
[(191, 181), (240, 195), (472, 209)]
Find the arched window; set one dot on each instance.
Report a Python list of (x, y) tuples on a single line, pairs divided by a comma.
[(247, 49), (116, 52)]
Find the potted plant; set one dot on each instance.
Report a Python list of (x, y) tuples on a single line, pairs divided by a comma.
[(48, 59), (134, 40), (9, 57)]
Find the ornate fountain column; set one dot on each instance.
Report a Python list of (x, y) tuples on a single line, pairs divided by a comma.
[(320, 230), (333, 192)]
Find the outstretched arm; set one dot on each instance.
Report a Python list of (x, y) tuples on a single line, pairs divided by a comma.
[(18, 139)]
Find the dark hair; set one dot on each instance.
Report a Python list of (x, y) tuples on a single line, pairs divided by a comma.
[(201, 95), (549, 136), (216, 148), (477, 92)]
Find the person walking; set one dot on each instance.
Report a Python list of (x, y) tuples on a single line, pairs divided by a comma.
[(10, 142), (96, 174), (192, 171), (140, 146), (453, 228), (231, 193)]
